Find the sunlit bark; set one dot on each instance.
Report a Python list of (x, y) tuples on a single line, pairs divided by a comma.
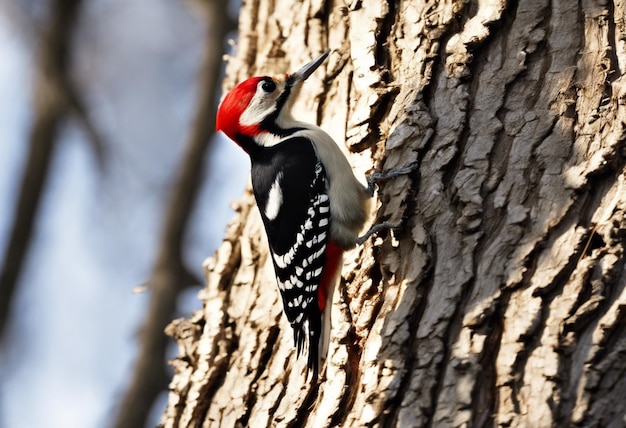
[(501, 300)]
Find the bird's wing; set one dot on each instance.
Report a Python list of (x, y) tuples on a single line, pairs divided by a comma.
[(292, 196)]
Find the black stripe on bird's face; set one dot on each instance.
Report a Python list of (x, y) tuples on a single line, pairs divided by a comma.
[(271, 121), (268, 111)]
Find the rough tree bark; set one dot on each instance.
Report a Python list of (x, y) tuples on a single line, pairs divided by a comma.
[(501, 301)]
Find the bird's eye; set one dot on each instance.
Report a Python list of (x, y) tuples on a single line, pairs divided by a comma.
[(268, 86)]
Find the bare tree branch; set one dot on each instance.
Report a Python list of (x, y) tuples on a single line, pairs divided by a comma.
[(169, 275), (50, 108), (81, 112)]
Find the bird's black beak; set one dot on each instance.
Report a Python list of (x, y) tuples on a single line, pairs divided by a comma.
[(307, 70)]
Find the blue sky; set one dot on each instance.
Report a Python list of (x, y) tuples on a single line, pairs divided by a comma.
[(72, 340)]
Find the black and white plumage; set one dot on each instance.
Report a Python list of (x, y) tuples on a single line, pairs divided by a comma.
[(290, 188), (311, 204)]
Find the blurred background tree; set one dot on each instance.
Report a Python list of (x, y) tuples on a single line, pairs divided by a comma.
[(108, 114)]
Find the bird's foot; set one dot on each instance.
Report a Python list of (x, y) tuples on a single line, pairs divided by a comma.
[(377, 177)]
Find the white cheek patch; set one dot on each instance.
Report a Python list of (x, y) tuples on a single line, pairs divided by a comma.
[(275, 199), (258, 109), (261, 105)]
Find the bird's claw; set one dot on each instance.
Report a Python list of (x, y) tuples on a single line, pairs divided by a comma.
[(382, 176)]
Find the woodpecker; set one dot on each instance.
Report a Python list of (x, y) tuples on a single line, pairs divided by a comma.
[(312, 205)]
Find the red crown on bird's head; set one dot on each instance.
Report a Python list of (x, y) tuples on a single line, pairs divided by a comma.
[(233, 106)]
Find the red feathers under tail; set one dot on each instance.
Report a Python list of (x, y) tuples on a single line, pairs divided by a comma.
[(328, 281), (334, 255)]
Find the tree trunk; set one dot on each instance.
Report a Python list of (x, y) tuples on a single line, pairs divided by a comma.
[(501, 300)]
